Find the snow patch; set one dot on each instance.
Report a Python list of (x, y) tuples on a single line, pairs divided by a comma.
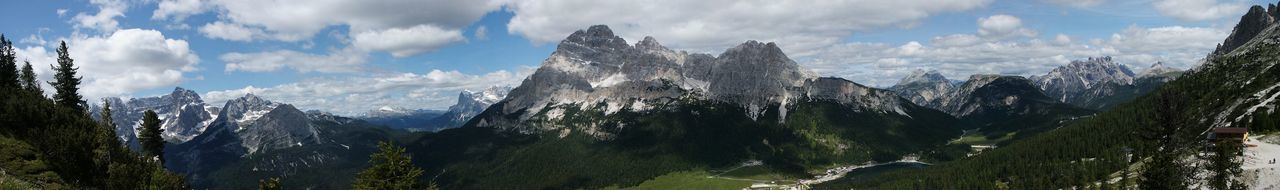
[(614, 79)]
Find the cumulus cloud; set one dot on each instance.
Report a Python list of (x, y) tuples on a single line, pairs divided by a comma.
[(404, 42), (337, 61), (1003, 26), (121, 63), (233, 32), (354, 95), (178, 10), (104, 20), (298, 20), (1076, 3), (798, 26), (1198, 10), (880, 64)]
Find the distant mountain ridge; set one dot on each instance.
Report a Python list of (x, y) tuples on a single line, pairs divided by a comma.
[(185, 115), (469, 104)]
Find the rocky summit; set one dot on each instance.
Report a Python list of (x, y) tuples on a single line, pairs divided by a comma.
[(184, 115), (594, 68)]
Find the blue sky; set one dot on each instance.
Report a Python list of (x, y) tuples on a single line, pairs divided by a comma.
[(349, 57)]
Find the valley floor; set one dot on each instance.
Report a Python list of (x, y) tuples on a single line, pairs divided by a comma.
[(1260, 171)]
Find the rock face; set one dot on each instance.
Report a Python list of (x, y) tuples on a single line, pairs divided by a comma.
[(997, 95), (469, 105), (594, 68), (924, 88), (1067, 82), (1100, 83), (183, 113), (1251, 24), (250, 124)]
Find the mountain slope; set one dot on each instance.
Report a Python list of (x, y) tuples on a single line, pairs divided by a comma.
[(1005, 104), (254, 138), (924, 88), (1233, 88), (600, 112)]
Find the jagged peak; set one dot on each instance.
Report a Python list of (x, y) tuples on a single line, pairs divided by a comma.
[(649, 43), (755, 47), (1251, 24), (595, 37)]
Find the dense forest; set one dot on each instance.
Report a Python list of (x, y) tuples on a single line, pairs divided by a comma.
[(54, 144), (1136, 144)]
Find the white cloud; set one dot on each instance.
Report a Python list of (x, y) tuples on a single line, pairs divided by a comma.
[(404, 42), (178, 10), (61, 12), (354, 95), (961, 55), (295, 20), (1002, 26), (124, 62), (482, 33), (1198, 10), (105, 19), (712, 25), (1076, 3), (337, 61), (226, 31)]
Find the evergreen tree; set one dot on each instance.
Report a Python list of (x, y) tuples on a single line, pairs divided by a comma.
[(28, 77), (106, 115), (270, 184), (66, 84), (1225, 165), (8, 64), (390, 169), (149, 136), (1170, 144)]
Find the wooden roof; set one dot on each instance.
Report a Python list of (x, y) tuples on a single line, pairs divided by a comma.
[(1231, 130)]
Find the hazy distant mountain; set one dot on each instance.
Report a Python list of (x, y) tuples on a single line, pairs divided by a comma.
[(184, 114), (924, 88), (1100, 83), (469, 104), (401, 118), (1067, 82)]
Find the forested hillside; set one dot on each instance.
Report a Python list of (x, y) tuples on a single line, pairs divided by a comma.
[(55, 145)]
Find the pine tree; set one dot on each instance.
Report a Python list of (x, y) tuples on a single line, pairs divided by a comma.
[(149, 136), (8, 64), (28, 77), (106, 115), (1225, 166), (390, 169), (66, 84), (1167, 168)]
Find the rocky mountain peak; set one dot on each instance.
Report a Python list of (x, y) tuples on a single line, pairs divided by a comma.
[(1251, 24), (922, 76), (598, 36), (246, 109), (1065, 82), (755, 48), (1157, 69)]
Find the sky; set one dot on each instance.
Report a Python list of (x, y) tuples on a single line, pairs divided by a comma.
[(349, 57)]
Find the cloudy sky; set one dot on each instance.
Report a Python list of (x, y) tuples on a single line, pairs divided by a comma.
[(348, 57)]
